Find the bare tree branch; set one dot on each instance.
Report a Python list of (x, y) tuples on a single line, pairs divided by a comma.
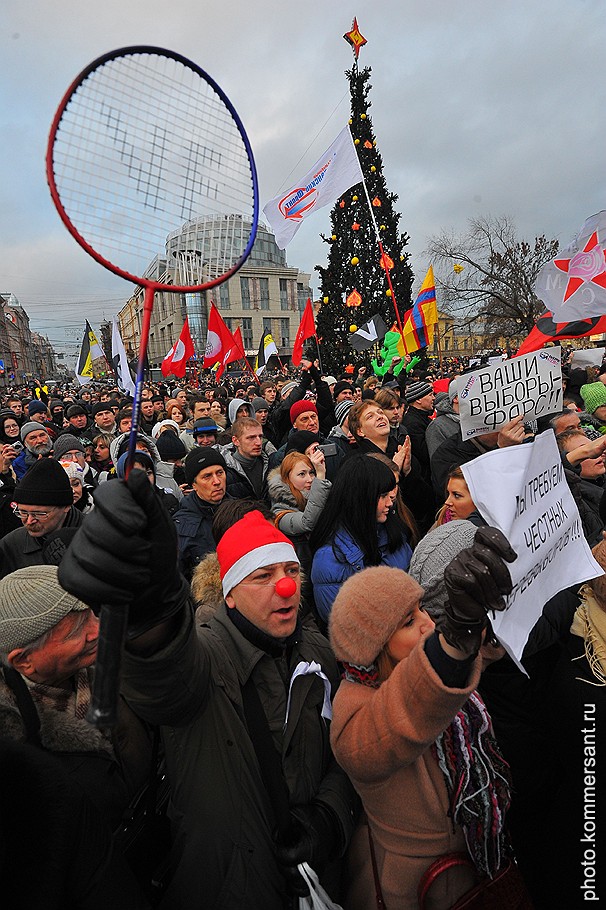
[(496, 283)]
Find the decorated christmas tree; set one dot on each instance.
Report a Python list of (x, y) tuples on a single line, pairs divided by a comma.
[(354, 284)]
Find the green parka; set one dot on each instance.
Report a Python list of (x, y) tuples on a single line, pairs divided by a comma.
[(222, 817)]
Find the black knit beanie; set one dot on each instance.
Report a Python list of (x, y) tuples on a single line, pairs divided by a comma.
[(45, 484)]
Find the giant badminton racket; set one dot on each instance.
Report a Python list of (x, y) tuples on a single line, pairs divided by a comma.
[(152, 173)]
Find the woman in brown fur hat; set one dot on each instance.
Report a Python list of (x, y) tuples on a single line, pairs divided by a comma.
[(412, 733)]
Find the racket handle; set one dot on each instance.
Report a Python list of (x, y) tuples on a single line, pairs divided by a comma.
[(103, 711)]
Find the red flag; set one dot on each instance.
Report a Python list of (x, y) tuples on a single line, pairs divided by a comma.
[(306, 330), (221, 346), (547, 330), (176, 360), (239, 344)]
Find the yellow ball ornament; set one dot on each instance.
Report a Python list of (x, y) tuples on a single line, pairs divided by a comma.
[(356, 141), (354, 260), (333, 237), (362, 116), (350, 121), (353, 328), (372, 169), (388, 292), (325, 299), (382, 228), (354, 198)]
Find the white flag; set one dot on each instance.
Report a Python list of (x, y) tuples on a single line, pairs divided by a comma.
[(573, 285), (120, 363), (333, 174)]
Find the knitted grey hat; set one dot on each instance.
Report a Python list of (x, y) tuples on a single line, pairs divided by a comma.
[(288, 387), (432, 555), (342, 409), (417, 390), (453, 388), (30, 427), (31, 602), (67, 443)]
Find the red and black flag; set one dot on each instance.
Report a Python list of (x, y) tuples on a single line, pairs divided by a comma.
[(546, 330)]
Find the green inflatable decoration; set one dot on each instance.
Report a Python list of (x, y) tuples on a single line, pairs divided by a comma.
[(388, 353)]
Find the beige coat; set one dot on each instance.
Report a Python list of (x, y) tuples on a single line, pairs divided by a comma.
[(382, 739)]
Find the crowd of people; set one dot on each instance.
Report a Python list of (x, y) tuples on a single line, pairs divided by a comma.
[(309, 664)]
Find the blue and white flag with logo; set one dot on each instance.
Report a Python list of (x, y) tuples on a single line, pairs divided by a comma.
[(333, 174)]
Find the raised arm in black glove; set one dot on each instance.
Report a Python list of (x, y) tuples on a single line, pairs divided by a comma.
[(475, 581), (125, 552)]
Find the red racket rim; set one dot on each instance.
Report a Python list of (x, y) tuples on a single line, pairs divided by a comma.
[(67, 221)]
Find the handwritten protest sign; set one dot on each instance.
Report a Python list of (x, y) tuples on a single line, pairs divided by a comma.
[(530, 386), (533, 506)]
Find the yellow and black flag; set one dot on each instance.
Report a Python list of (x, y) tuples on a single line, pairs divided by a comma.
[(90, 350), (267, 349)]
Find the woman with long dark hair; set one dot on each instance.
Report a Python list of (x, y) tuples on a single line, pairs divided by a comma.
[(358, 527)]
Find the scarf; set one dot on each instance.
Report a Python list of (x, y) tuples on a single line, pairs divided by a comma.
[(275, 647), (475, 773), (478, 782), (74, 702), (589, 623)]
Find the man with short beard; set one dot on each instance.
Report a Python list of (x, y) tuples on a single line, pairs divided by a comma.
[(38, 444)]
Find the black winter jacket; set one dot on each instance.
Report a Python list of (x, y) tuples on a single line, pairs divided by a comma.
[(193, 521)]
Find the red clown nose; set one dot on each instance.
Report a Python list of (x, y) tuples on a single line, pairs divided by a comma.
[(286, 587)]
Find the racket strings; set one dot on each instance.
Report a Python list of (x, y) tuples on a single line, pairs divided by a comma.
[(148, 157)]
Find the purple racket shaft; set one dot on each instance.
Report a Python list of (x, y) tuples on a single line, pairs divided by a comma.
[(113, 623)]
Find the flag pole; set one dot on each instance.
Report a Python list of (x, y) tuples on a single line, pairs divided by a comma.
[(383, 260), (318, 350), (439, 345)]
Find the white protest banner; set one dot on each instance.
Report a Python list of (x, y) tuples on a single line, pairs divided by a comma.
[(533, 506), (530, 385), (589, 357)]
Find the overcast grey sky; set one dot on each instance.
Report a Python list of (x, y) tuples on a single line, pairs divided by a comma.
[(478, 108)]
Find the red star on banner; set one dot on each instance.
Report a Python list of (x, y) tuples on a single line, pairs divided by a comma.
[(587, 265), (355, 38)]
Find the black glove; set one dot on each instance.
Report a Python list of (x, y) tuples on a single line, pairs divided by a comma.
[(125, 552), (314, 838), (475, 581)]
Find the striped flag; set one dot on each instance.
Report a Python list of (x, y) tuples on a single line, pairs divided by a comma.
[(267, 349), (89, 351), (420, 324)]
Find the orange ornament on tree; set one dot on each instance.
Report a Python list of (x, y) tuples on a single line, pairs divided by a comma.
[(342, 204), (353, 299), (386, 262), (355, 226), (367, 144), (376, 202)]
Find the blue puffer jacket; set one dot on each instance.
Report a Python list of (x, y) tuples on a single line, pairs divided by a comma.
[(335, 562)]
